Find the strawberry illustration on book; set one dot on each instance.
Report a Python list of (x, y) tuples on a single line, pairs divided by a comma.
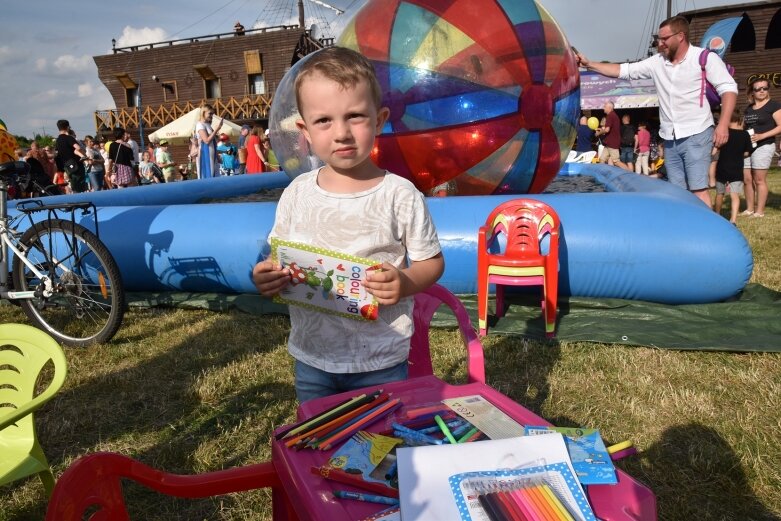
[(312, 278), (370, 311), (325, 280)]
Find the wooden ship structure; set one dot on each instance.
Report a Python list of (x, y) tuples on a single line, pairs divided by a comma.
[(236, 72), (755, 49)]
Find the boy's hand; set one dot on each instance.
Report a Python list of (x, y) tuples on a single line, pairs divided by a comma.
[(270, 278), (385, 285)]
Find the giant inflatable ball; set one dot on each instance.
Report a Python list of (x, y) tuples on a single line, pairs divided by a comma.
[(483, 94)]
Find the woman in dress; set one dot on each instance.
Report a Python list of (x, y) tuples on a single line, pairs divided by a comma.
[(120, 161), (255, 157), (762, 119), (207, 143)]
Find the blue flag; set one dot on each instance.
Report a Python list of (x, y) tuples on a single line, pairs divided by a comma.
[(718, 35)]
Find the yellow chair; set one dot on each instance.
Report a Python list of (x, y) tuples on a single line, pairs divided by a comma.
[(24, 353)]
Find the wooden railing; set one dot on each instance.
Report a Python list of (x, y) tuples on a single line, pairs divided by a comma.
[(217, 36), (155, 116)]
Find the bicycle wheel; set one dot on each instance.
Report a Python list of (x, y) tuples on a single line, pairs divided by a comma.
[(88, 299)]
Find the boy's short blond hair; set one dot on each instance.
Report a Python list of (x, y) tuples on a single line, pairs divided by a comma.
[(343, 66)]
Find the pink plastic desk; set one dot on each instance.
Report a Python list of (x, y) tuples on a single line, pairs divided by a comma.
[(311, 495)]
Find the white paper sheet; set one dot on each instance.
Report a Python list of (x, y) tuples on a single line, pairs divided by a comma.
[(424, 472)]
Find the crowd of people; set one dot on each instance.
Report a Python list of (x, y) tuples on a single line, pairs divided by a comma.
[(94, 163), (730, 152)]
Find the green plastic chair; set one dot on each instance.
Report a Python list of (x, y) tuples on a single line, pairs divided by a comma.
[(24, 352)]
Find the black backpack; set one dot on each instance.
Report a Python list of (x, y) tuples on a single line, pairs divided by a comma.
[(158, 173)]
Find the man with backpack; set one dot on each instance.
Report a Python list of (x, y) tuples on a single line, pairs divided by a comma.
[(686, 123)]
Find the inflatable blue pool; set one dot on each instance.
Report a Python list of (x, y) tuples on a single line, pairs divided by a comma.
[(642, 239)]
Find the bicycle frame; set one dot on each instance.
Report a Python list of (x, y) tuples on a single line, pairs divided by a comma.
[(5, 236)]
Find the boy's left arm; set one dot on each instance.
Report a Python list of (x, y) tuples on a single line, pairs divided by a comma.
[(392, 284)]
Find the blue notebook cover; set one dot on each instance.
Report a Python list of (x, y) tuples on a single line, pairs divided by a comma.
[(587, 451)]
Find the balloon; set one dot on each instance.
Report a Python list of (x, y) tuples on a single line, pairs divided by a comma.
[(593, 123), (484, 95)]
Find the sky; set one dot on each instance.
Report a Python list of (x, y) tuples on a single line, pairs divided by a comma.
[(46, 46)]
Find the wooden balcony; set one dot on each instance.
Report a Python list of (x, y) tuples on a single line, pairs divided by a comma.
[(155, 116)]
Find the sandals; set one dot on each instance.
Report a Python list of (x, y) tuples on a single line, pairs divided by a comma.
[(757, 215), (747, 213)]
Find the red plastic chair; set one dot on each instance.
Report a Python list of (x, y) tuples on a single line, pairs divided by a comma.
[(426, 303), (524, 223), (92, 485)]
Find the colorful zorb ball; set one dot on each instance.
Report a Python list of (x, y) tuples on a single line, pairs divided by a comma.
[(289, 144), (483, 94)]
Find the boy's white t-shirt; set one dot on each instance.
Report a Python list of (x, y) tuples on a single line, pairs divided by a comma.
[(387, 223)]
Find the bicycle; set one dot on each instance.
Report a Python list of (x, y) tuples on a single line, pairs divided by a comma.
[(62, 275)]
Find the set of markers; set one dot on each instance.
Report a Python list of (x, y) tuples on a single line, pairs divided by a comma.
[(433, 425), (337, 424), (522, 500)]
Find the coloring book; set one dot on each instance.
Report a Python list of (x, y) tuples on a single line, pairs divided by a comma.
[(325, 280)]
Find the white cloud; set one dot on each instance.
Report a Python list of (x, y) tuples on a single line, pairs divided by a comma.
[(47, 95), (139, 36), (6, 55), (40, 64), (85, 90), (67, 63)]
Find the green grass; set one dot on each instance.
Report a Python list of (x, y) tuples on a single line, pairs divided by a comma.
[(193, 391)]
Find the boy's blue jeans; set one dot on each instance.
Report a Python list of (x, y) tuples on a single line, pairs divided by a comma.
[(315, 383)]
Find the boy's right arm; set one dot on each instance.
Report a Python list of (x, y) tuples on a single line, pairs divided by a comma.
[(270, 278)]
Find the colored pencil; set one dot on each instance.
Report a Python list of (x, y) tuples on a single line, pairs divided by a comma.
[(542, 504), (430, 409), (332, 413), (371, 417), (564, 515), (523, 504), (340, 476), (283, 433), (336, 422), (516, 507), (526, 504), (314, 440), (369, 498), (506, 504), (490, 508)]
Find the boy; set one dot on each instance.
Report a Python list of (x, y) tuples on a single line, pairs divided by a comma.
[(228, 157), (729, 168), (352, 206)]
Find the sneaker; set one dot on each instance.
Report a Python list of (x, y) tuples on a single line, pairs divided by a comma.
[(746, 212)]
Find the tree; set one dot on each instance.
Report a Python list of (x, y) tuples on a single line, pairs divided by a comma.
[(43, 140)]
